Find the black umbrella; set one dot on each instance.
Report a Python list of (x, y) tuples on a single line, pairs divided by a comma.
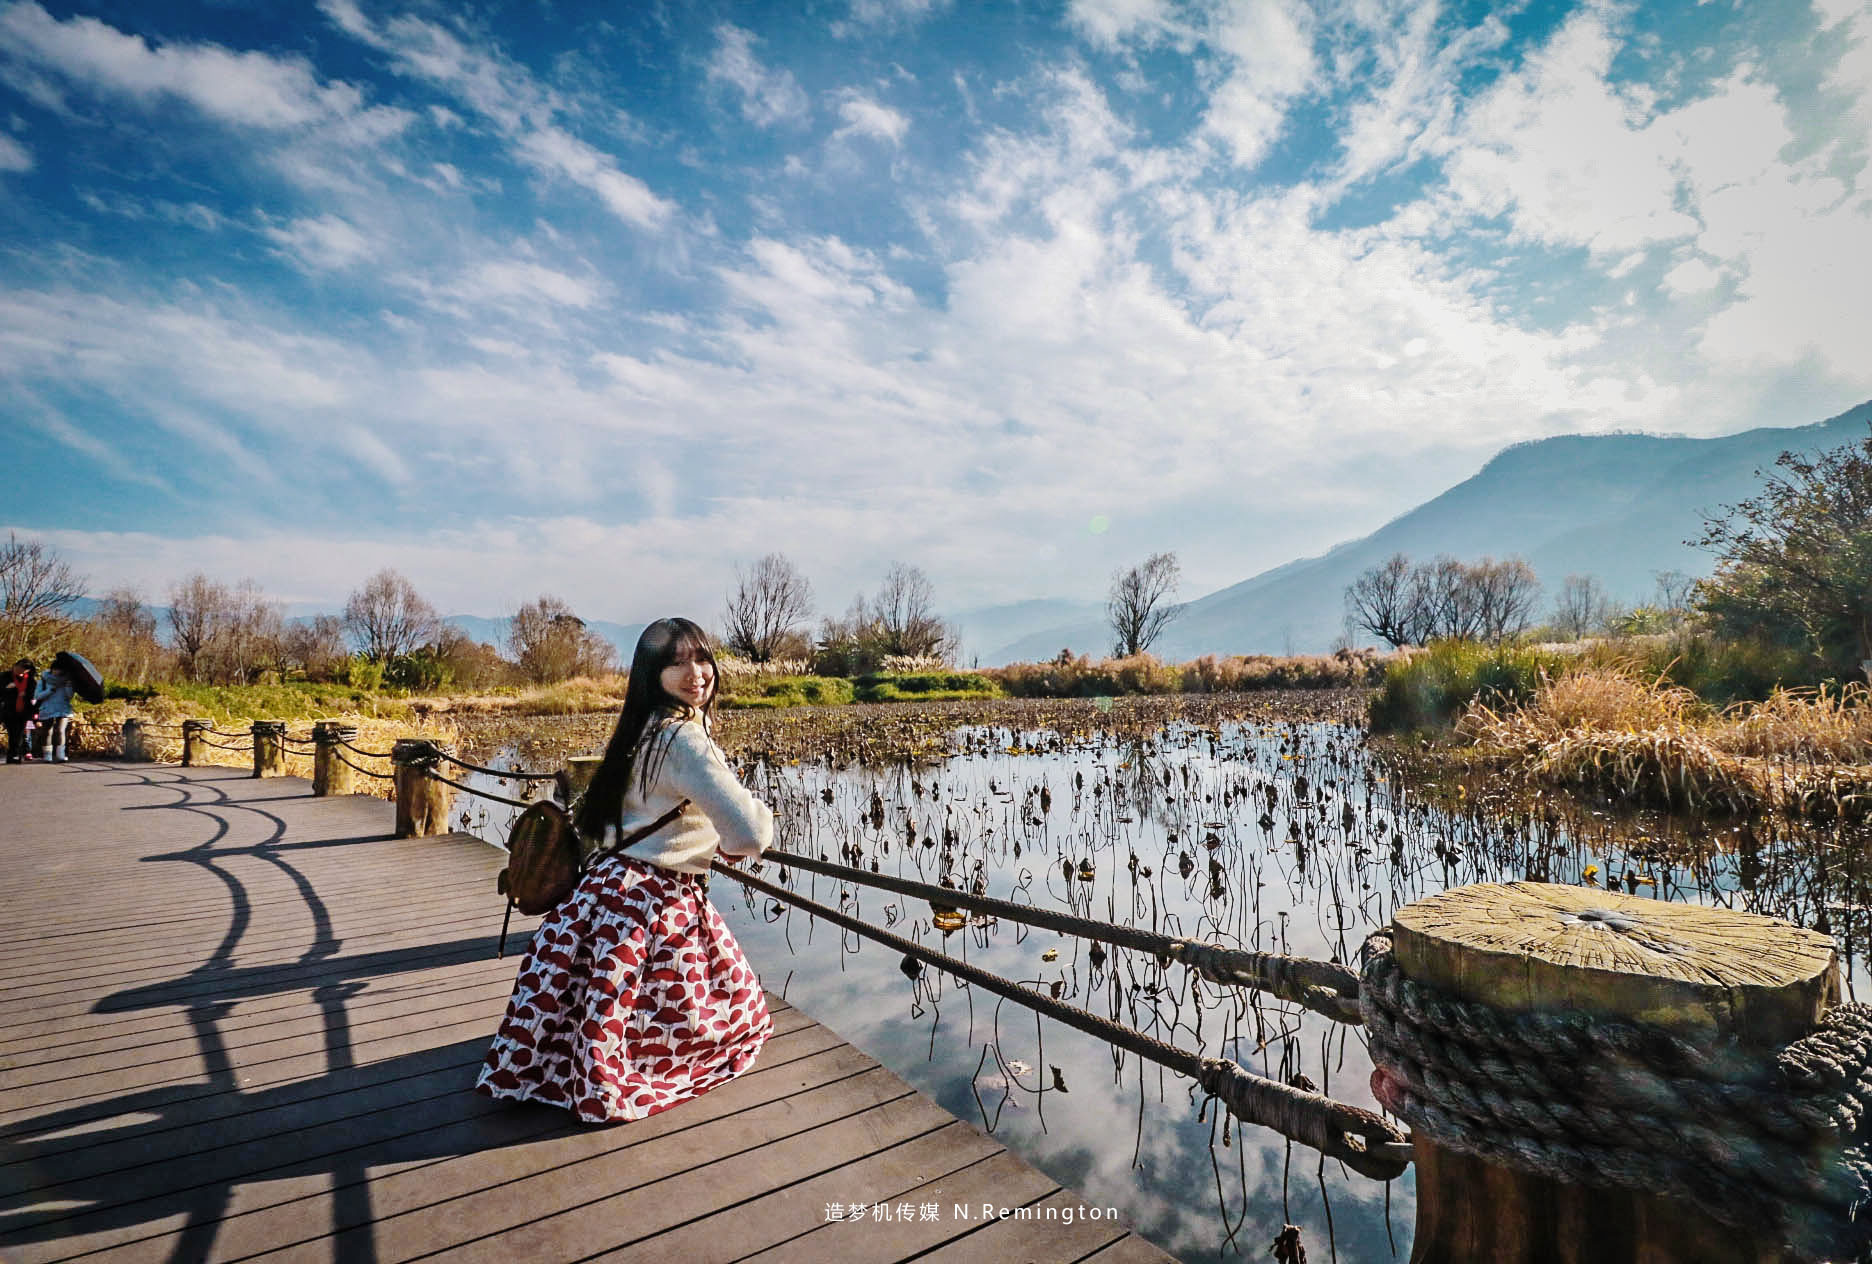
[(87, 681)]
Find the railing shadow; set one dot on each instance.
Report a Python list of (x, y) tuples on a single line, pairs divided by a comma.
[(89, 1169)]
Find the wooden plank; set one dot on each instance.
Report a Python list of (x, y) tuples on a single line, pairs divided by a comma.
[(1051, 1230), (482, 1143), (1010, 1178), (176, 1158), (937, 1164), (678, 1180)]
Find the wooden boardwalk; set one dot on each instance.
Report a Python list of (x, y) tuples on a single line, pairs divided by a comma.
[(240, 1022)]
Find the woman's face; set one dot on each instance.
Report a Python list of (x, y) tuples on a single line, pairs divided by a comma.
[(690, 679)]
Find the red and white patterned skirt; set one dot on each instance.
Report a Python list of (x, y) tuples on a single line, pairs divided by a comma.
[(633, 998)]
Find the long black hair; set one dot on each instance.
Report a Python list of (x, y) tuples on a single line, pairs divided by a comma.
[(645, 700)]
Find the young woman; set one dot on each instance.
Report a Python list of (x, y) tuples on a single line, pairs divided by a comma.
[(634, 997), (55, 712)]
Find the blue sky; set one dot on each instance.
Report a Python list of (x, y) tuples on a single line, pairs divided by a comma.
[(602, 300)]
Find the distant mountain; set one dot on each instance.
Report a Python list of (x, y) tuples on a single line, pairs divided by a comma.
[(988, 627), (1618, 507)]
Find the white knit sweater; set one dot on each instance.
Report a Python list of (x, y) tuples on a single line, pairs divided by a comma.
[(722, 815)]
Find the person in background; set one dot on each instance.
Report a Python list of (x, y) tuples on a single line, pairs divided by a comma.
[(18, 690), (55, 712)]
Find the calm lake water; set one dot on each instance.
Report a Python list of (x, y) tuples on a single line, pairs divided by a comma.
[(1276, 837)]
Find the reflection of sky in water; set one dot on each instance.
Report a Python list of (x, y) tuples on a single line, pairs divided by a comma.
[(1273, 838)]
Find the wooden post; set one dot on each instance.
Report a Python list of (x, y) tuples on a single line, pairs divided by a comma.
[(192, 742), (269, 750), (135, 744), (330, 773), (422, 802), (1707, 974)]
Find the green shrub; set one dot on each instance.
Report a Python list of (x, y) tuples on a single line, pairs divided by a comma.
[(362, 673), (925, 687), (294, 700), (788, 691), (1722, 670), (1431, 688)]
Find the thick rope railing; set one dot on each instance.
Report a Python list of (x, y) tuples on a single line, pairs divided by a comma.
[(1325, 987), (515, 773), (381, 776), (220, 745), (1749, 1140), (368, 754), (1361, 1139), (428, 770)]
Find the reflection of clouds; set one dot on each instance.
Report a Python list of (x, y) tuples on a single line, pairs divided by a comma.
[(935, 1033)]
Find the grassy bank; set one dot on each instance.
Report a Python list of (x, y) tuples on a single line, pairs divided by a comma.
[(1603, 731)]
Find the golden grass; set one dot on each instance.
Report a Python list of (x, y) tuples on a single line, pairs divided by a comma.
[(1604, 730), (101, 733)]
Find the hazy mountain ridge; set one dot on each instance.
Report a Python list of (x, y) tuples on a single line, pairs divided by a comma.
[(1618, 506)]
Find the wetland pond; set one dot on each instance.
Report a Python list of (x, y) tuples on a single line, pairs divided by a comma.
[(1293, 835)]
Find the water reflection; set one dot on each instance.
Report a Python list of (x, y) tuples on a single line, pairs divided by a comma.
[(1287, 838)]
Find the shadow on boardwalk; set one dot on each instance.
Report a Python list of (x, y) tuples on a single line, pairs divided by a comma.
[(239, 1022)]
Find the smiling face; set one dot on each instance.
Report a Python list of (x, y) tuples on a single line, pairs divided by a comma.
[(690, 679)]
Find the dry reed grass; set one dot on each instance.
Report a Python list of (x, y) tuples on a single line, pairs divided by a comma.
[(1602, 729)]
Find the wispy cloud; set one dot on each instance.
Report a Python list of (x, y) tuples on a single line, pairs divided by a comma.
[(767, 96), (13, 155), (249, 89), (865, 117), (508, 96)]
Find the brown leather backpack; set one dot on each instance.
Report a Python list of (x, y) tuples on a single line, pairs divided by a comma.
[(545, 859)]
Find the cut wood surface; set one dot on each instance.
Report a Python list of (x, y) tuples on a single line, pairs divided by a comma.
[(1699, 971), (239, 1022)]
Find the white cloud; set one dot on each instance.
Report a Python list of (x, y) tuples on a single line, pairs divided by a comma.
[(865, 117), (767, 96), (893, 12), (507, 95), (322, 243), (1692, 276), (1269, 47), (1112, 22), (13, 155), (1565, 155), (247, 89), (520, 279)]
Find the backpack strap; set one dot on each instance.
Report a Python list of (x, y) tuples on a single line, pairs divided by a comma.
[(637, 835)]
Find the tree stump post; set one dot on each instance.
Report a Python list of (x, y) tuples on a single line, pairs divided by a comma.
[(192, 742), (135, 742), (269, 748), (330, 773), (422, 802), (1706, 974)]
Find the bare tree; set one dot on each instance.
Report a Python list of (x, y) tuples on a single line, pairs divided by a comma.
[(1388, 601), (225, 634), (387, 619), (904, 616), (316, 646), (1139, 606), (769, 604), (37, 590), (198, 608), (1505, 596), (1581, 607), (550, 643), (121, 637)]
